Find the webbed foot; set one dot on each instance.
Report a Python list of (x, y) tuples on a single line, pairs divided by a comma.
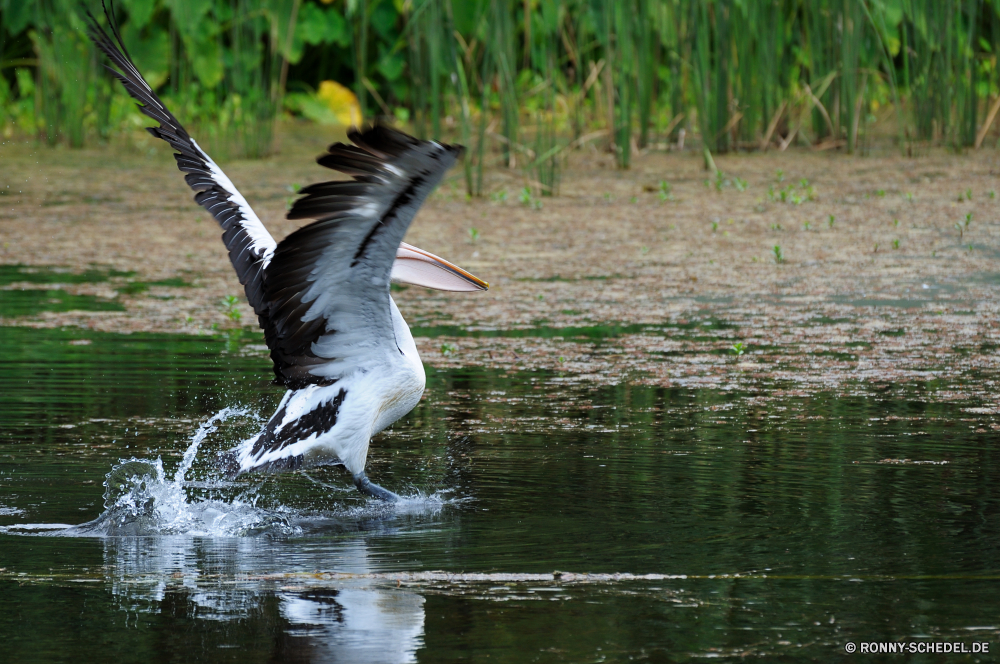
[(373, 490)]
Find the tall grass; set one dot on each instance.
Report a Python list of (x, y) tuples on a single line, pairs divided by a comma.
[(521, 82)]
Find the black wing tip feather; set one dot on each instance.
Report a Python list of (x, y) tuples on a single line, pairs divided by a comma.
[(375, 144)]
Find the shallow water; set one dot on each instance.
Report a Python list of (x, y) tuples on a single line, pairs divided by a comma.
[(767, 524)]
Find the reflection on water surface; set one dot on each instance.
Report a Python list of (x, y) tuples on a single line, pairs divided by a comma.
[(780, 525)]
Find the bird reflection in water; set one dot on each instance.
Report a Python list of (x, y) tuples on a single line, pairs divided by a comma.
[(226, 590)]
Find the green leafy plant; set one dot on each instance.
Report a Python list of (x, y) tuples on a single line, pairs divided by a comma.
[(529, 200), (720, 180), (737, 348), (473, 235), (779, 256), (230, 308)]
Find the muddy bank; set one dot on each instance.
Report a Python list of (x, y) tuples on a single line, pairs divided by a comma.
[(888, 266)]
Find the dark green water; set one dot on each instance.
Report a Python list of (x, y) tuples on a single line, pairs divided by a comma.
[(785, 536)]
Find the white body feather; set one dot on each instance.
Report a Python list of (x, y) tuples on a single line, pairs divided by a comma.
[(377, 394)]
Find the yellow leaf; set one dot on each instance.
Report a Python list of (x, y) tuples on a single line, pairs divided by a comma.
[(341, 101)]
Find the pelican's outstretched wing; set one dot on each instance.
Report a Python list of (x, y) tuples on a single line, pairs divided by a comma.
[(250, 245), (328, 310)]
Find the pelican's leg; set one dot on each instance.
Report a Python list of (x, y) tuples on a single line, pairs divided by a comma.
[(369, 488)]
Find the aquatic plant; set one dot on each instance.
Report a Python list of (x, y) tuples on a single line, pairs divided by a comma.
[(529, 200), (231, 308)]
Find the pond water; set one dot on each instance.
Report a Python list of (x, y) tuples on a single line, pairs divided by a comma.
[(760, 521)]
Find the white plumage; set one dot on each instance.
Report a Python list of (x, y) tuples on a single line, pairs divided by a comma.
[(337, 339)]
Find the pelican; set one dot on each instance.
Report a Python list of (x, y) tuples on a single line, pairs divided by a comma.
[(337, 340)]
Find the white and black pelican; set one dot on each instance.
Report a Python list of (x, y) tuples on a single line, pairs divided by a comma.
[(337, 340)]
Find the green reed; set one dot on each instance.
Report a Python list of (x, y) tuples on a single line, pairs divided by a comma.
[(520, 83)]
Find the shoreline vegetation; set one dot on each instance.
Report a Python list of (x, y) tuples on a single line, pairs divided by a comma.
[(523, 84)]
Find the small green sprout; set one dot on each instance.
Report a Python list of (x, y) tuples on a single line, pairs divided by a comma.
[(960, 228), (720, 180), (806, 225), (777, 227), (527, 199), (875, 250), (737, 348), (715, 226), (895, 243), (780, 175), (968, 194), (908, 196), (540, 297), (473, 234), (968, 219), (804, 183), (880, 193), (830, 220), (992, 194), (779, 256), (499, 196), (664, 193), (740, 184), (230, 311), (895, 223), (448, 349)]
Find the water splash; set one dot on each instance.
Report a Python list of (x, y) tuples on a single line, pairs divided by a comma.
[(141, 499)]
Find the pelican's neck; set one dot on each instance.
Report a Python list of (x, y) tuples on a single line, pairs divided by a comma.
[(404, 340)]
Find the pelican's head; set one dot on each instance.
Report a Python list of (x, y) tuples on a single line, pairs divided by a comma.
[(422, 268)]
